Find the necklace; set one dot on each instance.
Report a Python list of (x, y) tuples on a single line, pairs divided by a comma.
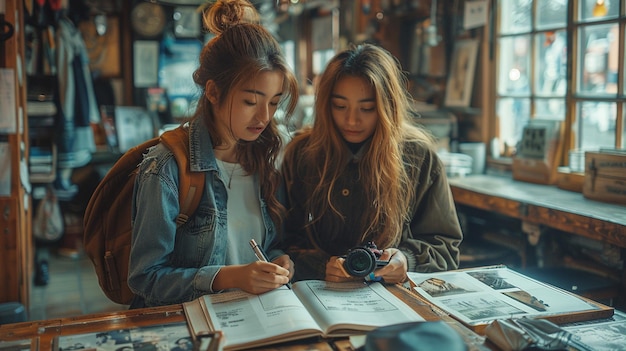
[(224, 168)]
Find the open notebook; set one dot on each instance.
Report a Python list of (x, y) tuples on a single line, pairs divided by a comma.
[(310, 308)]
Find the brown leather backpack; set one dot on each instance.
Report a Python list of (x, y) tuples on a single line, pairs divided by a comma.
[(107, 224)]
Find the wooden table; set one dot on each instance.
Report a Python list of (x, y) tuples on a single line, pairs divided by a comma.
[(43, 332), (545, 205)]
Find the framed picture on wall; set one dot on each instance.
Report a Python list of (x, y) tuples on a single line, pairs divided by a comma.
[(461, 77), (145, 63), (126, 126)]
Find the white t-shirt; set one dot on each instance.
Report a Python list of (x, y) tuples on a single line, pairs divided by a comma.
[(244, 213)]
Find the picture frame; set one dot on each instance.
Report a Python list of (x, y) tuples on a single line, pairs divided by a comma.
[(133, 126), (126, 126), (461, 76), (145, 63)]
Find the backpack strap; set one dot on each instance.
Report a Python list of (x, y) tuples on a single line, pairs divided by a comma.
[(191, 184)]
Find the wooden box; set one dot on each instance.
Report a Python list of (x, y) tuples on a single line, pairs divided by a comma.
[(540, 149), (605, 176), (572, 181), (538, 171)]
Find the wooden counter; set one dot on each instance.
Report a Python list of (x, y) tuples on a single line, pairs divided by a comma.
[(544, 205)]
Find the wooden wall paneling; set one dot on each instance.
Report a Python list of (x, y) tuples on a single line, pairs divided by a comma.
[(25, 248), (127, 56)]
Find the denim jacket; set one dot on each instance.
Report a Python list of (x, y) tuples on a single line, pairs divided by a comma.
[(170, 265)]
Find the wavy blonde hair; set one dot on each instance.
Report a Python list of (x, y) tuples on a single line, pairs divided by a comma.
[(240, 50), (383, 169)]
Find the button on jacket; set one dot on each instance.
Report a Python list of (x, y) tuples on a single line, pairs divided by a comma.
[(170, 265), (429, 241)]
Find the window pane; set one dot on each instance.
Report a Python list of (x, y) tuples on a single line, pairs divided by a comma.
[(595, 125), (513, 114), (551, 63), (597, 72), (515, 16), (550, 109), (551, 13), (513, 77), (592, 10)]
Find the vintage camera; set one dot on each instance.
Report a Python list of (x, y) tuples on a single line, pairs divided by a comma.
[(363, 260)]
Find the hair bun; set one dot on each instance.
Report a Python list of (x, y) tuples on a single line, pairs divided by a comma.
[(223, 14)]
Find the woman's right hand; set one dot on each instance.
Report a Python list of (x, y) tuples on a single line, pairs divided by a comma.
[(255, 278)]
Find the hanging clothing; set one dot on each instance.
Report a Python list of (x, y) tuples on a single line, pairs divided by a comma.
[(76, 139)]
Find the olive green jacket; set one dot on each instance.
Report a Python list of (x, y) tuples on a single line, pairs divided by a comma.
[(430, 241)]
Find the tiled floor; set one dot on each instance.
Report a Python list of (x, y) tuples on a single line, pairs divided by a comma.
[(71, 291)]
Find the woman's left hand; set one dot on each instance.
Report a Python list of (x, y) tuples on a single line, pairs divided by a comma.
[(395, 270), (285, 262)]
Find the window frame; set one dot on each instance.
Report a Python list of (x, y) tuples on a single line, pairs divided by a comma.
[(572, 98)]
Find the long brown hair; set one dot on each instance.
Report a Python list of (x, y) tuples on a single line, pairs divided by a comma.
[(240, 50), (383, 169)]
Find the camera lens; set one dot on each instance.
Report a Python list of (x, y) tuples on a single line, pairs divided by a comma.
[(360, 262)]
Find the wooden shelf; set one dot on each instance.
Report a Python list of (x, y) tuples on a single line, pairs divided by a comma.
[(16, 240)]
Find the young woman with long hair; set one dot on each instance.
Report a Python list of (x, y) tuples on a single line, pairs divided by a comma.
[(234, 140), (365, 172)]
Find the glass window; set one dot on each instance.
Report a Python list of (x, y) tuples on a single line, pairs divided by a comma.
[(515, 16), (513, 114), (596, 126), (595, 10), (539, 76), (550, 108), (515, 68), (551, 71), (551, 14), (532, 67), (598, 59)]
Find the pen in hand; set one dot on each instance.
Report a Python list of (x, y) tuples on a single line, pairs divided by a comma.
[(261, 256), (258, 252)]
